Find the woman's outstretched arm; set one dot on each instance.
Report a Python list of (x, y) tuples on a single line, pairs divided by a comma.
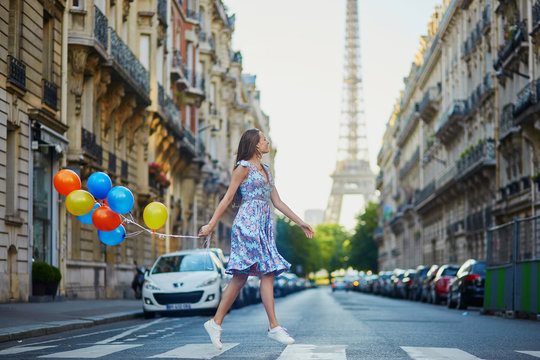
[(281, 206), (238, 175)]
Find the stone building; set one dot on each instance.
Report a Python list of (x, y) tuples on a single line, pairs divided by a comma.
[(459, 150)]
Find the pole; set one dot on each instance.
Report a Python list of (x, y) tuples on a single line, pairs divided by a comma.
[(514, 262)]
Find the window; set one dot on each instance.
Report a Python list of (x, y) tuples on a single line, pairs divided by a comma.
[(48, 46), (145, 51), (78, 4), (11, 170)]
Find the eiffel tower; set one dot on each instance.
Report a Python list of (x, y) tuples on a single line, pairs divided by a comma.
[(352, 175)]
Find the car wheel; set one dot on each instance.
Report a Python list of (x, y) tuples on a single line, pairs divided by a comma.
[(435, 298), (149, 314), (461, 305), (449, 302)]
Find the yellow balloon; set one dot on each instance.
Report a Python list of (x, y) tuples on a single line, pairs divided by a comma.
[(155, 215), (80, 202)]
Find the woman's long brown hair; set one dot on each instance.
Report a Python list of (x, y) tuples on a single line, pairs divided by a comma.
[(247, 148)]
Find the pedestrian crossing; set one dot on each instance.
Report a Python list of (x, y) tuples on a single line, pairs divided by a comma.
[(208, 351)]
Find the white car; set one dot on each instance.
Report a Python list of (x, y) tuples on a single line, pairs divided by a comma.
[(183, 280)]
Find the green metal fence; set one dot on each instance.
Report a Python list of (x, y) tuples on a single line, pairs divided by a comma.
[(513, 266)]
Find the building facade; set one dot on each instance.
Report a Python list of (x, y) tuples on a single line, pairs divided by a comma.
[(459, 149), (153, 95)]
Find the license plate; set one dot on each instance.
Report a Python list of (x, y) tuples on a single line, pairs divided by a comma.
[(178, 306)]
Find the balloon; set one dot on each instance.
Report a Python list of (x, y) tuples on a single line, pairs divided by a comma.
[(65, 181), (105, 219), (114, 237), (99, 185), (155, 215), (87, 218), (120, 199), (79, 202)]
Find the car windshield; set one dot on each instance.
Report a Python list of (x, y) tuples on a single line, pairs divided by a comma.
[(180, 263), (449, 271)]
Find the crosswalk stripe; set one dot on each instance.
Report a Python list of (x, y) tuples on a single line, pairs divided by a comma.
[(435, 353), (91, 352), (319, 352), (532, 353), (196, 351), (21, 349), (128, 332)]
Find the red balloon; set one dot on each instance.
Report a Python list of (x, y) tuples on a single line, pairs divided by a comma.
[(105, 219), (65, 181)]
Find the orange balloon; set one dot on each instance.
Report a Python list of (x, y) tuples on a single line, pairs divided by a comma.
[(105, 219), (65, 181)]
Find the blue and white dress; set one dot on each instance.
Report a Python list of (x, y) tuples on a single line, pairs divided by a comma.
[(253, 248)]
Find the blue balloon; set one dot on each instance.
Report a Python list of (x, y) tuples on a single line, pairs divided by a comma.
[(120, 199), (87, 218), (99, 185), (114, 237)]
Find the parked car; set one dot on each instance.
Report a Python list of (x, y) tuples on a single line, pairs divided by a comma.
[(426, 284), (339, 283), (183, 280), (403, 288), (416, 286), (381, 287), (395, 281), (468, 287), (368, 283), (440, 284)]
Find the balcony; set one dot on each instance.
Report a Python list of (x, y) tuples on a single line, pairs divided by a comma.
[(479, 157), (429, 106), (192, 15), (129, 64), (536, 21), (379, 181), (527, 104), (425, 193), (90, 147), (17, 73), (50, 94), (516, 40), (448, 123), (507, 125), (447, 177), (472, 41), (189, 139), (409, 165), (101, 28), (408, 126), (486, 19), (162, 11)]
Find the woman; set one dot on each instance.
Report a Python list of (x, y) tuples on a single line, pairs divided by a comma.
[(253, 249)]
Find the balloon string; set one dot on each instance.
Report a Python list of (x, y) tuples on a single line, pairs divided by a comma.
[(206, 242)]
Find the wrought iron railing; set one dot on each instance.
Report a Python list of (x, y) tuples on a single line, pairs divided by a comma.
[(514, 41), (507, 122), (409, 164), (112, 163), (90, 146), (456, 109), (17, 72), (189, 137), (161, 96), (50, 94), (484, 151), (129, 62), (124, 169), (172, 112), (527, 97), (448, 175), (425, 193), (101, 26), (536, 13)]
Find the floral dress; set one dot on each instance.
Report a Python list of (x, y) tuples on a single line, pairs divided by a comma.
[(253, 248)]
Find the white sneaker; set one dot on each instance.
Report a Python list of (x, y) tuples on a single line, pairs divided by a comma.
[(280, 335), (214, 331)]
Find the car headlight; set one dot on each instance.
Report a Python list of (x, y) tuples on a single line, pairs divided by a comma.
[(149, 286), (208, 282)]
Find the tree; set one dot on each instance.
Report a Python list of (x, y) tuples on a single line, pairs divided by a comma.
[(364, 250), (294, 246), (333, 242)]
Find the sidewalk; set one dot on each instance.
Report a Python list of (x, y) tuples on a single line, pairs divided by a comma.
[(24, 320)]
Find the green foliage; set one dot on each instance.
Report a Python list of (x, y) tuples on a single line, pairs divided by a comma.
[(536, 177), (292, 243), (44, 273), (363, 249), (334, 245)]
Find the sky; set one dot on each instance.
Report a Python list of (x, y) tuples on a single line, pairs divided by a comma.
[(296, 49)]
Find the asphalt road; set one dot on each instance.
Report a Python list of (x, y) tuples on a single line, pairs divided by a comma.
[(326, 325)]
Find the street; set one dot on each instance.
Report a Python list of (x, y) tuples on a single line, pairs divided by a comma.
[(326, 325)]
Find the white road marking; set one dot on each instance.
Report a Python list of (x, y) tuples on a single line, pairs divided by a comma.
[(532, 353), (132, 339), (91, 352), (21, 349), (196, 351), (319, 352), (434, 353), (128, 332)]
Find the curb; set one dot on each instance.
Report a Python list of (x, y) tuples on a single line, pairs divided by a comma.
[(28, 331)]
